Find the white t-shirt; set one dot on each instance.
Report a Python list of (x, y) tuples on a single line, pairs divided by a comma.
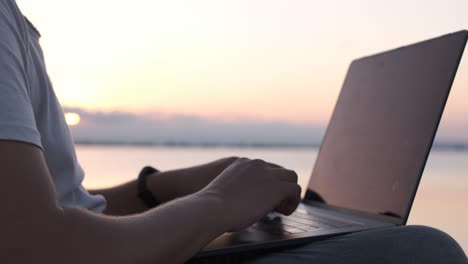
[(30, 111)]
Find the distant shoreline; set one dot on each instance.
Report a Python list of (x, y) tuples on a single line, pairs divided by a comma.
[(436, 146), (196, 145)]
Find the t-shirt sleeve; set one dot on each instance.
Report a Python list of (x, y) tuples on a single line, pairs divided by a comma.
[(17, 120)]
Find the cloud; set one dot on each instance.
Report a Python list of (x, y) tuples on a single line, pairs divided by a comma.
[(160, 128)]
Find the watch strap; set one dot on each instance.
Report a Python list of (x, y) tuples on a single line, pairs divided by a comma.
[(143, 192)]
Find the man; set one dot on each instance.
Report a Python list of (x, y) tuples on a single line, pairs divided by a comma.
[(166, 217)]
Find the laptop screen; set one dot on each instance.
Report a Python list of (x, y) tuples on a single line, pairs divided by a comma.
[(383, 125)]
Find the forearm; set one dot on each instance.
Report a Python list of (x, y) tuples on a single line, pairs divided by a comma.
[(165, 186), (161, 235), (122, 199)]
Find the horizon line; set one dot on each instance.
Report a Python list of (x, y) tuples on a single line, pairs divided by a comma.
[(463, 146)]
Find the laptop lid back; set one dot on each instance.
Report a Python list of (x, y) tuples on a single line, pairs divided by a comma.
[(383, 126)]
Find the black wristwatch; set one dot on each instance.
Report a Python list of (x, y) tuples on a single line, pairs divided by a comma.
[(143, 193)]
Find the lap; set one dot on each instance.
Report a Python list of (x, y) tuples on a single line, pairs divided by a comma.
[(404, 244)]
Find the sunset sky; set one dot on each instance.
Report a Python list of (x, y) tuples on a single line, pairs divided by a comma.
[(269, 60)]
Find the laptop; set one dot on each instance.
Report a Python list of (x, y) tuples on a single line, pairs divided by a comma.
[(374, 151)]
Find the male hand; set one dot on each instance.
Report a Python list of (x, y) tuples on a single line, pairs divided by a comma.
[(169, 185), (249, 189)]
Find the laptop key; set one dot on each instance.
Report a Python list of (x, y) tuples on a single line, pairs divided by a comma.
[(299, 220), (322, 225), (310, 228), (313, 223), (293, 230), (322, 221), (302, 226)]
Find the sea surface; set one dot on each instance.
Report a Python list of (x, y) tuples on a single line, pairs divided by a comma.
[(441, 201)]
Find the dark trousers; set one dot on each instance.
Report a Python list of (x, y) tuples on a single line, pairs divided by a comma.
[(403, 244)]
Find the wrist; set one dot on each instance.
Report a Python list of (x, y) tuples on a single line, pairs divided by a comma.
[(217, 208), (161, 186)]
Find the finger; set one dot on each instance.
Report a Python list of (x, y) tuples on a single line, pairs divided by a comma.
[(273, 165), (284, 174), (259, 163), (227, 160), (292, 199), (237, 162), (242, 160)]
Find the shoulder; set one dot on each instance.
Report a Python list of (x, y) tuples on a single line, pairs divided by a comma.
[(9, 9), (12, 20), (13, 33)]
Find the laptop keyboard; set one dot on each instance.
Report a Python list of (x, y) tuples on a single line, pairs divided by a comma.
[(298, 222)]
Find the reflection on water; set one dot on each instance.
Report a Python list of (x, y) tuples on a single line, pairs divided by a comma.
[(441, 201)]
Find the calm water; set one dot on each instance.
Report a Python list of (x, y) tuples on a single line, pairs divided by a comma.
[(441, 201)]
